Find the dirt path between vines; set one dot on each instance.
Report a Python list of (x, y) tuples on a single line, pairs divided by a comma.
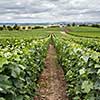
[(63, 33), (52, 85)]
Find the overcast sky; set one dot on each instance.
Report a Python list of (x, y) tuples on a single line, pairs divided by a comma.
[(49, 10)]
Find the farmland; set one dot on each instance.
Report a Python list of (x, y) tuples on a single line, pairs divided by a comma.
[(23, 34), (81, 63), (88, 32), (23, 66), (21, 61), (81, 66), (36, 33)]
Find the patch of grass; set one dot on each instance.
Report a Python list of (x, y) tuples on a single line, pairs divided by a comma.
[(85, 31), (35, 33), (23, 34)]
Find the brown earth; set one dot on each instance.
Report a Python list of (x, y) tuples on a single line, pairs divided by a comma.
[(63, 33), (67, 30), (52, 85)]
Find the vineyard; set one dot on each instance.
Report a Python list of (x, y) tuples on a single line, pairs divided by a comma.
[(81, 65), (22, 62)]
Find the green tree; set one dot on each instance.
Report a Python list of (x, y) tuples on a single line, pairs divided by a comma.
[(68, 25), (23, 27), (1, 28), (4, 27), (9, 28), (73, 24), (16, 27), (29, 27)]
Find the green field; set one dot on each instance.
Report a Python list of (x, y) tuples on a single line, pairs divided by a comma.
[(22, 59), (85, 32), (36, 33), (79, 55)]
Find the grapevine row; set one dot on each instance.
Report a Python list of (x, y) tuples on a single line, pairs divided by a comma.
[(82, 69), (21, 62)]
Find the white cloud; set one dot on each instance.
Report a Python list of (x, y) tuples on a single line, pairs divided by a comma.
[(18, 3), (9, 17), (49, 10)]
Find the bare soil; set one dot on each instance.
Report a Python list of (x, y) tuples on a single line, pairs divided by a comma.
[(52, 85), (67, 30), (63, 33)]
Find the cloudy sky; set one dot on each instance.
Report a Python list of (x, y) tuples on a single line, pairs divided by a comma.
[(49, 10)]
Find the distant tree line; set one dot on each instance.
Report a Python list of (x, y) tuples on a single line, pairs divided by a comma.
[(96, 25), (38, 27), (54, 26), (80, 25), (17, 27), (8, 27)]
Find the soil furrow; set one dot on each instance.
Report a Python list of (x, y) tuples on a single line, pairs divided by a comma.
[(52, 85)]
